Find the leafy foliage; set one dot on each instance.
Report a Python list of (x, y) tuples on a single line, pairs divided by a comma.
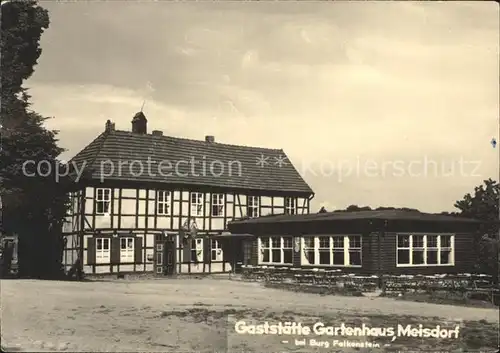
[(34, 204), (356, 208), (484, 205)]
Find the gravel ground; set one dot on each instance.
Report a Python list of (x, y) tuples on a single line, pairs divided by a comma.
[(186, 315)]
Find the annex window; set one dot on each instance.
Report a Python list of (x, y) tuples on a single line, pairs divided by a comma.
[(290, 205), (196, 202), (103, 250), (253, 206), (335, 250), (217, 205), (215, 250), (163, 203), (102, 201), (127, 249), (197, 250), (424, 250), (275, 250)]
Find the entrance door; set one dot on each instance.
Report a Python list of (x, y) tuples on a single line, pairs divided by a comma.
[(169, 257), (239, 257)]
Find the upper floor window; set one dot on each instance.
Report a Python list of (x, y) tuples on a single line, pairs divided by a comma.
[(163, 202), (425, 250), (290, 205), (196, 204), (217, 205), (102, 200), (253, 206)]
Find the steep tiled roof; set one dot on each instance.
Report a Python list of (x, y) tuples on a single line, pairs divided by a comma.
[(357, 215), (216, 164)]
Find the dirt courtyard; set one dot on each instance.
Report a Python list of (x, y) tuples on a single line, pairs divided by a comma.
[(199, 315)]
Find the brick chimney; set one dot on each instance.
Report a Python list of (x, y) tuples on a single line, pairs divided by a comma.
[(140, 124), (109, 126), (209, 139)]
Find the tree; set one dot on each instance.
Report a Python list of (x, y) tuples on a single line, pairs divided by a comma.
[(484, 205), (356, 208), (34, 206)]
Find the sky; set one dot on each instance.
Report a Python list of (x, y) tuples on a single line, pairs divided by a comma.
[(375, 103)]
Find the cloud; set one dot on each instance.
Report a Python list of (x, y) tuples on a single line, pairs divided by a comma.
[(324, 81)]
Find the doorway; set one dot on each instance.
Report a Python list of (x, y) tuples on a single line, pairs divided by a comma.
[(169, 257)]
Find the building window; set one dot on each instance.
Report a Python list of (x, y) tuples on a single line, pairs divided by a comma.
[(217, 205), (197, 250), (424, 250), (253, 206), (196, 204), (290, 205), (102, 250), (215, 250), (275, 250), (163, 203), (127, 249), (102, 201), (335, 250)]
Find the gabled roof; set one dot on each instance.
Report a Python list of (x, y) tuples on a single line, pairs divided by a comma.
[(357, 215), (133, 150)]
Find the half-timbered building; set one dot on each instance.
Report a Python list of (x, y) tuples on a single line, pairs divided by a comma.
[(146, 202)]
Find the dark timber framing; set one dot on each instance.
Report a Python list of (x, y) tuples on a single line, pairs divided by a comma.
[(118, 213), (133, 202)]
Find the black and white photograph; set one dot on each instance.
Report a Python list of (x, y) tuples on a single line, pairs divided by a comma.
[(249, 176)]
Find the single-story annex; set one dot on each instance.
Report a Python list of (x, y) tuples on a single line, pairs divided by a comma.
[(363, 242)]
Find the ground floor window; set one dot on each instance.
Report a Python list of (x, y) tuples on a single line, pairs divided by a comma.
[(197, 250), (275, 250), (425, 249), (103, 250), (335, 250), (127, 249), (215, 250)]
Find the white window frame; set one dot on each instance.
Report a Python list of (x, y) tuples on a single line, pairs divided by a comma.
[(253, 204), (290, 205), (196, 204), (285, 244), (103, 255), (347, 249), (163, 199), (104, 198), (439, 248), (127, 249), (217, 204), (215, 251), (196, 250)]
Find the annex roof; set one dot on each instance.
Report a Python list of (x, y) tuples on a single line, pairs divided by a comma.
[(233, 166), (356, 215)]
